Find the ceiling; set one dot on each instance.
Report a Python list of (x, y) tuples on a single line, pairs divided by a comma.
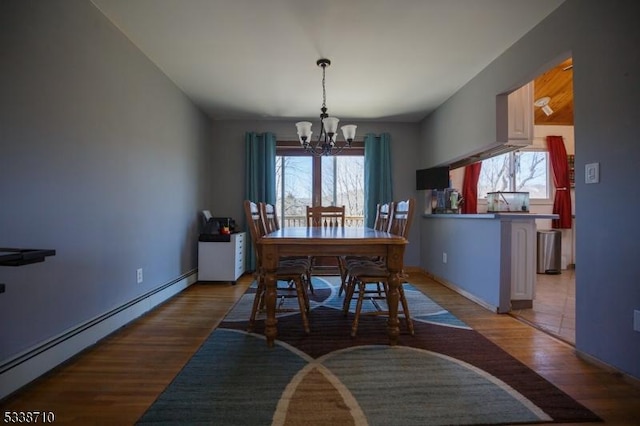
[(557, 85), (392, 60)]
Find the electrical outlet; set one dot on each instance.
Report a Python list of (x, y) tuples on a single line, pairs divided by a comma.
[(444, 257), (636, 320), (139, 275)]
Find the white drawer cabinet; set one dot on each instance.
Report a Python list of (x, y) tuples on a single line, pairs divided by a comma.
[(222, 261)]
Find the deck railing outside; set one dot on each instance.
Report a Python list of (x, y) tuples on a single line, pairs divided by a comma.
[(349, 221)]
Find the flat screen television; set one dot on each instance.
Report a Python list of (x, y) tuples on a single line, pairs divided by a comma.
[(433, 178)]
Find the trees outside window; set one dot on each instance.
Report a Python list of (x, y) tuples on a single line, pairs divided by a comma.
[(520, 171), (303, 180)]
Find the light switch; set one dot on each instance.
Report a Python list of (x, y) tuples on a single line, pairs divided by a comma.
[(592, 173)]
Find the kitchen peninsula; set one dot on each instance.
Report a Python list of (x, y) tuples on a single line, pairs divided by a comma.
[(489, 258)]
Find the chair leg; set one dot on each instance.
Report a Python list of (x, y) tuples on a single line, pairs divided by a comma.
[(305, 292), (348, 295), (302, 302), (309, 280), (343, 276), (257, 302), (356, 319), (405, 307), (405, 310)]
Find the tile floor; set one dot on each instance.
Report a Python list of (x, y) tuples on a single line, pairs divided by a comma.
[(553, 306)]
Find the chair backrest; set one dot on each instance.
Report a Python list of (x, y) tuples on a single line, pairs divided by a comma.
[(268, 217), (329, 216), (402, 216), (254, 222), (383, 217)]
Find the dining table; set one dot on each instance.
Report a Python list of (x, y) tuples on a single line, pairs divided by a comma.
[(331, 241)]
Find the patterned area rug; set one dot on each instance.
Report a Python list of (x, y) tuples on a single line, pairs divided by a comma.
[(445, 374)]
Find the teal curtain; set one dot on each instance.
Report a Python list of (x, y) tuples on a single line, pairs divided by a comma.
[(377, 174), (260, 176)]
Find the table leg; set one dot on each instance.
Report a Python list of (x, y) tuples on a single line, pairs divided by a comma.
[(393, 325), (271, 329), (395, 256)]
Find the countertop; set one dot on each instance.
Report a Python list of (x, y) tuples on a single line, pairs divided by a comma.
[(492, 216)]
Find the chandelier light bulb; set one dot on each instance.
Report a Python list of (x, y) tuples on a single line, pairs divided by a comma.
[(304, 131), (331, 125), (349, 132)]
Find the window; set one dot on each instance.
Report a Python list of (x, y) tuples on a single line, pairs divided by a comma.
[(303, 180), (526, 171)]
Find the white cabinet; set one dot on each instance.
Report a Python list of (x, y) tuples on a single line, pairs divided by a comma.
[(221, 260), (520, 117), (523, 263)]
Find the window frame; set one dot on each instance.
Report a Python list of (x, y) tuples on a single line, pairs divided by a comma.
[(550, 184), (294, 149)]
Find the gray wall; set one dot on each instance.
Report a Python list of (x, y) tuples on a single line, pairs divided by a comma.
[(473, 248), (101, 158), (603, 38), (229, 156)]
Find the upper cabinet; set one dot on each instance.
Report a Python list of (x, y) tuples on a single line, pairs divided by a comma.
[(514, 126), (520, 115), (514, 118)]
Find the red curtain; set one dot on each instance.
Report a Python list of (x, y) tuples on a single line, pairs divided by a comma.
[(560, 166), (470, 188)]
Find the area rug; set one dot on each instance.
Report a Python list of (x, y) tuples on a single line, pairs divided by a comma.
[(445, 374)]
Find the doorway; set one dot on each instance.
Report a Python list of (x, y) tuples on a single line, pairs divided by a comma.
[(553, 308)]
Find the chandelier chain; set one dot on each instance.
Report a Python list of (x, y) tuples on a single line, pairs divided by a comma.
[(324, 93)]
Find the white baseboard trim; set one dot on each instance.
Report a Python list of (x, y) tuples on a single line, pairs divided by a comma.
[(464, 293), (33, 363)]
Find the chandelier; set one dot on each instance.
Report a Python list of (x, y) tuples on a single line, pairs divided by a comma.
[(326, 143)]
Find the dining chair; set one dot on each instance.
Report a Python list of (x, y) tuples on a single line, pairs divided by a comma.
[(326, 217), (374, 272), (269, 218), (270, 223), (381, 223), (291, 273)]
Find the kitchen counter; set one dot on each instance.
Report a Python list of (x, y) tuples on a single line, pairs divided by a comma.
[(491, 216), (488, 257)]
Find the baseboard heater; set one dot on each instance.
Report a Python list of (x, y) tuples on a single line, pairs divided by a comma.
[(28, 366)]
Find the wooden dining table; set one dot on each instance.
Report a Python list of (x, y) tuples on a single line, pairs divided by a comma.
[(331, 241)]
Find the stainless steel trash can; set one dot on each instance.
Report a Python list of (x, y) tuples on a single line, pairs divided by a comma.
[(549, 252)]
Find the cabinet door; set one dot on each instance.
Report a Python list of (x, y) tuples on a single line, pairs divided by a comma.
[(523, 254), (520, 117)]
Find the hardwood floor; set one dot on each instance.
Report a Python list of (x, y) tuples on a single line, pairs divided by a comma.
[(115, 381), (554, 305)]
